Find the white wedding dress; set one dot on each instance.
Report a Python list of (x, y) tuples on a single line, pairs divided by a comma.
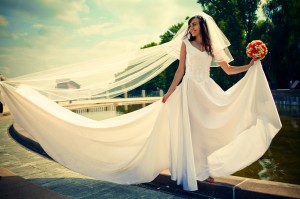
[(216, 133), (200, 131)]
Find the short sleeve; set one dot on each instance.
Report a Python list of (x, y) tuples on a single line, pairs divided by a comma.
[(223, 55), (185, 41)]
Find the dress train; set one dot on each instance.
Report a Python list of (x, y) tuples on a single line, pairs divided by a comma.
[(200, 131)]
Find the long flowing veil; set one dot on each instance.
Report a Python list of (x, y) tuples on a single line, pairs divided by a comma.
[(110, 76)]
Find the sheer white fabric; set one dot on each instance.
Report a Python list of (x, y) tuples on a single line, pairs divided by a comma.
[(110, 76), (213, 133), (219, 41), (200, 131), (105, 77)]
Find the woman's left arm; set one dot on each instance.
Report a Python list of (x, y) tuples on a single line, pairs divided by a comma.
[(232, 70)]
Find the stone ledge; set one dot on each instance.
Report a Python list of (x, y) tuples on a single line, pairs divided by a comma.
[(13, 186), (230, 187)]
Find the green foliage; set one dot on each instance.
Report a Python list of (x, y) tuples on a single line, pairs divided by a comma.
[(168, 35), (164, 79), (283, 29), (149, 45), (237, 20), (280, 32), (261, 32)]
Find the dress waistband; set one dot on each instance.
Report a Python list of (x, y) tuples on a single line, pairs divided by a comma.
[(198, 77)]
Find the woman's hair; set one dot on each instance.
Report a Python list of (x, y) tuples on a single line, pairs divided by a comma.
[(204, 33)]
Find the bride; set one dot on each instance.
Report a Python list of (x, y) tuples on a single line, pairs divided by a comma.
[(199, 131), (195, 57), (216, 130)]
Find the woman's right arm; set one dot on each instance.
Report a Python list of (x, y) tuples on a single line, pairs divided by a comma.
[(232, 70), (179, 73)]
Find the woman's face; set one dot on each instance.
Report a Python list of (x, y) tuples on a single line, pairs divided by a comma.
[(194, 27)]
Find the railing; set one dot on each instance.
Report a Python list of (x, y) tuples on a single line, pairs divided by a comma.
[(144, 93), (96, 109), (286, 97)]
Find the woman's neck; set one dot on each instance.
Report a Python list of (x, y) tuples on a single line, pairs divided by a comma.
[(198, 39)]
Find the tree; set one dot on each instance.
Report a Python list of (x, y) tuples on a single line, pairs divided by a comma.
[(283, 19), (164, 79), (149, 45), (237, 20), (170, 33), (261, 31)]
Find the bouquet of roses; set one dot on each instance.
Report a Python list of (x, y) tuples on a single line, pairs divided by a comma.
[(256, 49)]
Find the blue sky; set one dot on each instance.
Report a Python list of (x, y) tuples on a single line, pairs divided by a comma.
[(41, 34)]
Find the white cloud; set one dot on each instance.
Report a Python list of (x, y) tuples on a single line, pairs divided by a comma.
[(17, 60), (65, 11), (19, 35), (70, 11), (98, 29), (3, 21), (7, 56), (154, 16), (112, 47), (37, 26), (112, 27), (27, 60), (5, 70), (50, 37), (4, 34)]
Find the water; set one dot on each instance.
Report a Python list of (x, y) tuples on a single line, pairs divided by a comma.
[(105, 112), (281, 161)]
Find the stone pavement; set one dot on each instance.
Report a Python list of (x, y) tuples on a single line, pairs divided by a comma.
[(27, 174)]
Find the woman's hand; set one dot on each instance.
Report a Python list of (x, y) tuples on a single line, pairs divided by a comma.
[(252, 62), (165, 97)]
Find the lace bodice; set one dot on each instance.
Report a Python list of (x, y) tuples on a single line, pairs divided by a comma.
[(197, 62)]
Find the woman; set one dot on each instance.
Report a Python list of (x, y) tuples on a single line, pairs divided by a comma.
[(200, 40), (210, 126), (200, 130)]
